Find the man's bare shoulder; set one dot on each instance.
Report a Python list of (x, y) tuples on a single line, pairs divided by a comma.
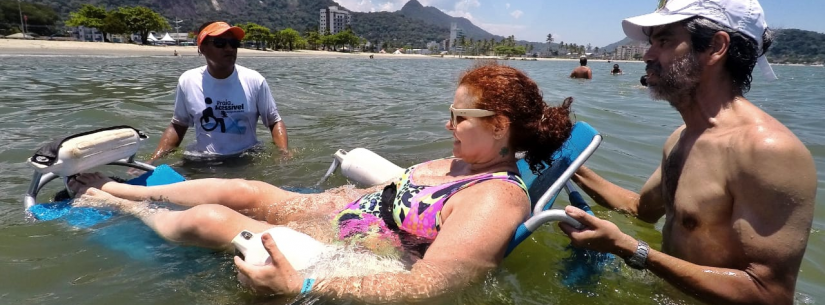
[(769, 138), (771, 154), (673, 139)]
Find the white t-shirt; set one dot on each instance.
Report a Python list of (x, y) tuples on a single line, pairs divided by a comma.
[(224, 112)]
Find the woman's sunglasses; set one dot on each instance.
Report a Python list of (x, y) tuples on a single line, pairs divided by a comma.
[(473, 113), (222, 42)]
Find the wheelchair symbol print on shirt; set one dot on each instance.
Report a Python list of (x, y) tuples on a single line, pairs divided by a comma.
[(232, 118)]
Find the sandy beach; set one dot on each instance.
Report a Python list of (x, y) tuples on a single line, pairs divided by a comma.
[(84, 48)]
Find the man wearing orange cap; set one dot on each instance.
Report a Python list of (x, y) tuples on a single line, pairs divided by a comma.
[(222, 101)]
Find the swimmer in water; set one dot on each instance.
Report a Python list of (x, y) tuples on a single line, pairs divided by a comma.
[(616, 70), (582, 71), (458, 229)]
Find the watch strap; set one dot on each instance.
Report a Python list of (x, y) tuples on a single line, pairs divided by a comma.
[(639, 258)]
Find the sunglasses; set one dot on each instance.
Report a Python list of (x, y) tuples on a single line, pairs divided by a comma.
[(473, 113), (222, 42)]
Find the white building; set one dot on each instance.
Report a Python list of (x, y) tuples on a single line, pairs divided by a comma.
[(456, 33), (86, 34), (435, 46), (333, 20), (631, 52)]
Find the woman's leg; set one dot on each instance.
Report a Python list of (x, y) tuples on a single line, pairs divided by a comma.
[(209, 226), (254, 198)]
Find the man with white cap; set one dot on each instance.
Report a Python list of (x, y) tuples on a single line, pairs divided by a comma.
[(222, 101), (736, 186)]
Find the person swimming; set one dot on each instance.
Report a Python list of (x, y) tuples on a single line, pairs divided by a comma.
[(582, 71), (616, 70)]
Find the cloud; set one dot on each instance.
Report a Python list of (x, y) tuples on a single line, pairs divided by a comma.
[(516, 14)]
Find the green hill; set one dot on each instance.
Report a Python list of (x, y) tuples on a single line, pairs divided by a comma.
[(790, 46), (432, 15), (797, 47), (397, 30), (394, 28), (275, 14)]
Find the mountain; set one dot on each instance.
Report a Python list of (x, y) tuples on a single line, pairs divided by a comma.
[(789, 46), (797, 46), (613, 46), (397, 30), (301, 15), (432, 15), (414, 25)]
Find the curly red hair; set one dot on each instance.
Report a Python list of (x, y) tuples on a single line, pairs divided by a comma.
[(535, 127)]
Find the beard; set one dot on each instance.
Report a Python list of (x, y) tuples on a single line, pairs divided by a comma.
[(678, 83)]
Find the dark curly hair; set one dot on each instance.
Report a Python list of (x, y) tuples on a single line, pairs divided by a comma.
[(535, 127), (742, 53)]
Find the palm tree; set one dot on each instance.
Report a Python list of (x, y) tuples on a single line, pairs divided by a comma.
[(550, 42)]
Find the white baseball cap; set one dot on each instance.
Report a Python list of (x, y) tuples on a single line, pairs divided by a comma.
[(744, 16)]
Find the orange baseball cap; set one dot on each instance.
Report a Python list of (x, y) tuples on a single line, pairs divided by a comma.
[(218, 28)]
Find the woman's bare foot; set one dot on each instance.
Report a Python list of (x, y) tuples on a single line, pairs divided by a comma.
[(101, 182), (93, 197)]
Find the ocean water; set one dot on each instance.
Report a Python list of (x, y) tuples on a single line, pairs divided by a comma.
[(395, 107)]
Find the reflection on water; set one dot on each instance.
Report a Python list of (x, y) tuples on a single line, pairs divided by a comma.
[(394, 107)]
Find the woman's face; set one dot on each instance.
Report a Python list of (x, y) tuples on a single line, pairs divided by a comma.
[(473, 140)]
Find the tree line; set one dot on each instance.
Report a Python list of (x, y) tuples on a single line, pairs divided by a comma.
[(41, 19), (123, 20), (571, 48)]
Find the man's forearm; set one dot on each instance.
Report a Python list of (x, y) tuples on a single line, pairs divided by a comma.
[(171, 139), (606, 193), (715, 285), (279, 136)]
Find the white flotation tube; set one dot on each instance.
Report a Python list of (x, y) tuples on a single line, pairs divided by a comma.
[(77, 153), (301, 250), (80, 153), (363, 167)]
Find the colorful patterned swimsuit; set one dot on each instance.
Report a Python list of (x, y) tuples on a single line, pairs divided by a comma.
[(411, 210)]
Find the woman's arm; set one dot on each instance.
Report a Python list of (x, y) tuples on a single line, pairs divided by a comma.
[(478, 224)]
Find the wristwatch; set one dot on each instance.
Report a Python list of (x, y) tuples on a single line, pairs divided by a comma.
[(639, 259)]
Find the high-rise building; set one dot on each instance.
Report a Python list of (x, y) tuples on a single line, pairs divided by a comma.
[(456, 34), (631, 52), (333, 20)]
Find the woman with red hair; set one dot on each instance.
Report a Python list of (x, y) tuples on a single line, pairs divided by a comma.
[(437, 214)]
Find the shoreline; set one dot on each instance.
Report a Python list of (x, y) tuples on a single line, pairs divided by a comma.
[(17, 47)]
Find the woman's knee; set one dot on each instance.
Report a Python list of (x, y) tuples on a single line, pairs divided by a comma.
[(244, 193), (205, 220)]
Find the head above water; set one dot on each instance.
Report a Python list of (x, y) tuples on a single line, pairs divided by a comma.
[(217, 28), (615, 66), (583, 61), (742, 22), (535, 127), (219, 42)]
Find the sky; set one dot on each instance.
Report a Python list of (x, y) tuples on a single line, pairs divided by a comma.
[(596, 22)]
